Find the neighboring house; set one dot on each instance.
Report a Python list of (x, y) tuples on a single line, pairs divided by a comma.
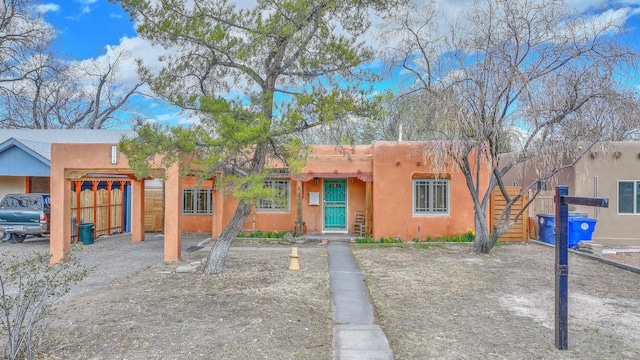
[(400, 194), (611, 170), (25, 164), (25, 154)]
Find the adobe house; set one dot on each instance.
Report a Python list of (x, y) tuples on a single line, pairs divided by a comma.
[(610, 170), (387, 185)]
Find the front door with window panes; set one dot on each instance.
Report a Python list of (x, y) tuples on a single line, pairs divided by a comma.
[(335, 205)]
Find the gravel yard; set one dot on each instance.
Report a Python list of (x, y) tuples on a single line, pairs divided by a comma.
[(135, 306), (444, 302), (437, 301), (111, 257)]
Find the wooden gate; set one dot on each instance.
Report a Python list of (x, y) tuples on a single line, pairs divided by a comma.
[(153, 209), (520, 230)]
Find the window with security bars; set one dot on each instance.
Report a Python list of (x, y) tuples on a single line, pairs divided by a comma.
[(196, 201), (280, 201), (430, 196), (628, 197)]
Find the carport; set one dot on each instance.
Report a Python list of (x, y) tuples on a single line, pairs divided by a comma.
[(72, 163)]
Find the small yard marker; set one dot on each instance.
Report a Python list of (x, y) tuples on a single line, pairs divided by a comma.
[(293, 263)]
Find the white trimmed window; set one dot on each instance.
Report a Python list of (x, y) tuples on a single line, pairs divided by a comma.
[(196, 201), (628, 197), (430, 196), (280, 201)]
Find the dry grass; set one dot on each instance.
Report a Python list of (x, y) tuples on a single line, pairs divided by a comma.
[(257, 310), (444, 302), (440, 302)]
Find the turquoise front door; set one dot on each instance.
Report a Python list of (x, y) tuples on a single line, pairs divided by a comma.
[(335, 205)]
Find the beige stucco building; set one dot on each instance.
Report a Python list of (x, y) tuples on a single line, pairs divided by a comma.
[(611, 170)]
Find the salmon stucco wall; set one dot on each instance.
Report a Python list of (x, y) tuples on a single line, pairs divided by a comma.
[(284, 220), (196, 222), (390, 167), (394, 167), (384, 170), (69, 161), (323, 162)]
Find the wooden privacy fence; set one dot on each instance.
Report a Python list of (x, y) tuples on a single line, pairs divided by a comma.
[(104, 207), (543, 203), (153, 209), (520, 230)]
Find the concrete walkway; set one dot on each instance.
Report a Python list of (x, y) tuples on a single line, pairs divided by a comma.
[(356, 336)]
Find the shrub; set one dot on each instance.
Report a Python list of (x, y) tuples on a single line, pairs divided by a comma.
[(364, 240), (28, 290), (257, 234), (468, 236)]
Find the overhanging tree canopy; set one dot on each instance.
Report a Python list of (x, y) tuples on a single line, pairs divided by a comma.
[(255, 77), (528, 74)]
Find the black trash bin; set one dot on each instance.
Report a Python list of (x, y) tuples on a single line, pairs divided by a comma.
[(85, 232)]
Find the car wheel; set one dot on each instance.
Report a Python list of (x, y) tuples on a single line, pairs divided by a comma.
[(17, 238)]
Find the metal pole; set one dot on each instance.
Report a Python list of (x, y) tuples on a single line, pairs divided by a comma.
[(562, 267)]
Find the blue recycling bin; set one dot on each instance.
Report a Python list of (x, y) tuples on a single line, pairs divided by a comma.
[(580, 229), (547, 227)]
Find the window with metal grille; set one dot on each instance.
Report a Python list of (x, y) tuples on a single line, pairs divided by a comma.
[(628, 197), (280, 201), (196, 201), (430, 196)]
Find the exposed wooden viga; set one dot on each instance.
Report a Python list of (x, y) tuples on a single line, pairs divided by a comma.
[(520, 230)]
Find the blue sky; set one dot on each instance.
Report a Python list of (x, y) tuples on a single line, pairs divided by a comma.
[(91, 29), (85, 27)]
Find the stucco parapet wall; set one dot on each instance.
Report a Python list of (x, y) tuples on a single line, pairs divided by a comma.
[(79, 160), (338, 162), (408, 148)]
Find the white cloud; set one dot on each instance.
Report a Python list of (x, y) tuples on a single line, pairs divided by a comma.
[(136, 48), (45, 8), (174, 118), (86, 5)]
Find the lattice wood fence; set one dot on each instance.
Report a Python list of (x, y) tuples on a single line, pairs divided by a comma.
[(103, 207)]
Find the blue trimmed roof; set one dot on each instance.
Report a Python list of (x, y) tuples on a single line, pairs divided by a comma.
[(27, 152)]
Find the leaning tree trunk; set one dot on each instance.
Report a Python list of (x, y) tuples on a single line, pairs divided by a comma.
[(484, 241), (218, 253)]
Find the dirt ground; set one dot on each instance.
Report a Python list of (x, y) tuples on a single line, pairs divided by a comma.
[(435, 302), (444, 302), (257, 310)]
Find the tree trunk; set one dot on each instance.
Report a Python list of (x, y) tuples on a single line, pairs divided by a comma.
[(218, 253), (299, 220), (484, 241)]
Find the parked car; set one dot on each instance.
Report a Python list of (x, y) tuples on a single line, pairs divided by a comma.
[(24, 214)]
